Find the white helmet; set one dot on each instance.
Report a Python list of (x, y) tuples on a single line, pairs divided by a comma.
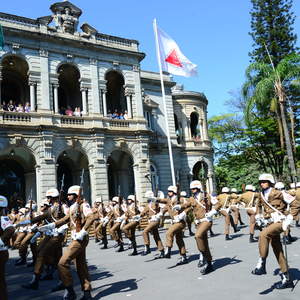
[(74, 189), (267, 177), (279, 185), (149, 194), (196, 184), (183, 194), (115, 199), (52, 193), (293, 185), (249, 187), (98, 200), (160, 195), (131, 197), (234, 190), (3, 201), (172, 188), (225, 189), (297, 184)]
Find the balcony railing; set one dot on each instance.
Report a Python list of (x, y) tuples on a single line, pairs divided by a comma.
[(118, 123), (16, 117), (68, 120)]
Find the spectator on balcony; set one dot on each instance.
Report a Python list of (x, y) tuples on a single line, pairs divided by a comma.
[(3, 106), (69, 111), (20, 108), (27, 107), (62, 110), (77, 112), (109, 115), (125, 115), (11, 106), (121, 116), (115, 115)]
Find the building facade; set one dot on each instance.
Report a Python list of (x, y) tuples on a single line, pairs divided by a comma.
[(49, 67)]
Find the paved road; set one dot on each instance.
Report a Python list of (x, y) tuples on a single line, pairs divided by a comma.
[(116, 276)]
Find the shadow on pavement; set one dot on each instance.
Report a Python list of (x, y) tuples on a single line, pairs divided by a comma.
[(225, 261)]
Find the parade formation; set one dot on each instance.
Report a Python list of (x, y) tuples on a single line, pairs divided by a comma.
[(272, 210)]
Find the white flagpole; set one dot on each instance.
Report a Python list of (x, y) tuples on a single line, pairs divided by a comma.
[(164, 102)]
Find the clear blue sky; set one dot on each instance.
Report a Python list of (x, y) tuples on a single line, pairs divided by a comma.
[(212, 34)]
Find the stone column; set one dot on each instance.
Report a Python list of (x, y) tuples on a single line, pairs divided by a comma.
[(201, 130), (205, 128), (103, 94), (55, 96), (129, 108), (84, 104), (39, 196), (1, 78), (95, 86), (32, 95), (44, 80)]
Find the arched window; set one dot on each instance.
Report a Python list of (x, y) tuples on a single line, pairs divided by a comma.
[(69, 95), (14, 86), (115, 96), (195, 130)]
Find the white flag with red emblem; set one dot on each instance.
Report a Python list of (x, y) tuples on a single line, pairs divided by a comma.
[(172, 59)]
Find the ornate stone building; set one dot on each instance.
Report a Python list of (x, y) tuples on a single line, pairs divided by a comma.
[(49, 66)]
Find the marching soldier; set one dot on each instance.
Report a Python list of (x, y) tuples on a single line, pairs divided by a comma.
[(132, 218), (52, 242), (224, 200), (153, 213), (80, 218), (6, 232), (177, 210), (271, 211), (249, 199), (96, 219), (118, 216), (203, 213), (234, 205), (190, 216), (296, 193), (103, 221)]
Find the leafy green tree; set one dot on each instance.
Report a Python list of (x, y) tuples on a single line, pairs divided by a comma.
[(272, 25)]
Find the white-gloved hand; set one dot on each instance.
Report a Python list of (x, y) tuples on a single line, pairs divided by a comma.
[(287, 222), (23, 223), (35, 237), (137, 218), (176, 219), (80, 235), (154, 218), (182, 216), (1, 243), (206, 219), (227, 210), (105, 221), (47, 227), (177, 207), (277, 217), (211, 213), (62, 229)]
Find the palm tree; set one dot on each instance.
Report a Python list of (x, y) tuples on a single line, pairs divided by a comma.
[(266, 90)]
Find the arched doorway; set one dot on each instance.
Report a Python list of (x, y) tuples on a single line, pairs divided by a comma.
[(200, 172), (120, 174), (195, 132), (17, 176), (69, 95), (115, 96), (14, 85), (70, 163)]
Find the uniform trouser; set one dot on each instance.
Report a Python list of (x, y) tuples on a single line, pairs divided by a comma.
[(96, 234), (236, 213), (48, 252), (3, 261), (251, 215), (129, 230), (76, 250), (115, 232), (152, 227), (272, 234), (19, 238), (227, 221), (24, 246), (202, 240), (177, 230), (101, 232)]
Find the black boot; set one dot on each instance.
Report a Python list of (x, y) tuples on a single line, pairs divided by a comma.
[(134, 249), (260, 268), (20, 262), (121, 248), (33, 284), (49, 273), (227, 237), (251, 238), (206, 267), (182, 261), (168, 253), (161, 255), (285, 240), (235, 229), (291, 238), (211, 233), (297, 224), (240, 220), (86, 295), (69, 293), (285, 282), (146, 251)]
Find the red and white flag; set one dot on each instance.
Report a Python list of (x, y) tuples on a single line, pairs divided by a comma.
[(172, 59)]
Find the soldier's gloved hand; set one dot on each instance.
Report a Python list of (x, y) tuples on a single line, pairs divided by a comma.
[(182, 216), (211, 213), (80, 235), (35, 237), (287, 222), (176, 219), (227, 210), (105, 221), (137, 218), (1, 243), (62, 229), (177, 207), (206, 219), (47, 227), (277, 217), (23, 223)]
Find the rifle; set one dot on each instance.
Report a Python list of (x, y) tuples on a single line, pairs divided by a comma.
[(61, 194), (120, 200), (178, 193), (30, 208), (79, 200)]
